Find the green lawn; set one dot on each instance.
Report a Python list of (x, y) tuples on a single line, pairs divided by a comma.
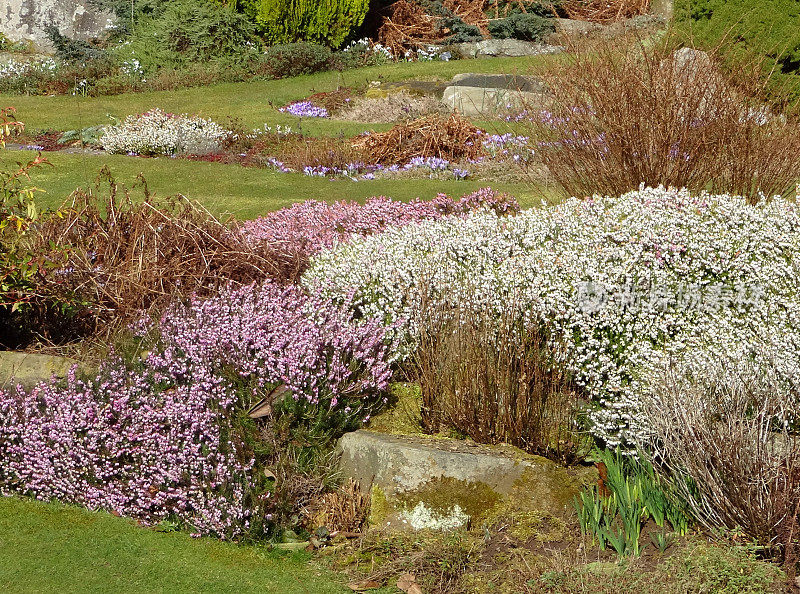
[(255, 103), (56, 548), (243, 192)]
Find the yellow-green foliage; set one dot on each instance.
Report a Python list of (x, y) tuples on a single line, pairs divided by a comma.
[(286, 21), (767, 31)]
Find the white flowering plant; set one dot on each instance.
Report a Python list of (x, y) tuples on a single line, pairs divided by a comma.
[(622, 279), (157, 132)]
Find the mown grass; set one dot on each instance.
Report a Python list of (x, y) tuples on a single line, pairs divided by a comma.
[(57, 548), (231, 189), (254, 103)]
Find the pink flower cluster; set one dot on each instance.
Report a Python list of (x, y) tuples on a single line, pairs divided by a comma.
[(160, 440), (279, 335), (310, 226)]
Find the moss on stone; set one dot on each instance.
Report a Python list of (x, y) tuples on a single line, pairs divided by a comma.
[(379, 508), (402, 416), (441, 495)]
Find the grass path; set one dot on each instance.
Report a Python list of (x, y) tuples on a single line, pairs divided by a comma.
[(243, 192), (57, 548), (254, 103)]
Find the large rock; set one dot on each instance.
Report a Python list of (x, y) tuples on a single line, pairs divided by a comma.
[(483, 102), (508, 48), (422, 482), (25, 20), (28, 369), (512, 82)]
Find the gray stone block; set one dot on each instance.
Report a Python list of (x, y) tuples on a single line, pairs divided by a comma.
[(483, 102), (451, 478), (22, 20), (28, 369)]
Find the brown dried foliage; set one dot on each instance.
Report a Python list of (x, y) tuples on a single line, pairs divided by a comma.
[(344, 510), (497, 379), (121, 256), (644, 116), (604, 11), (408, 25), (449, 137)]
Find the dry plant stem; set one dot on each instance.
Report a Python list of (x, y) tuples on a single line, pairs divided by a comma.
[(448, 137), (724, 434), (622, 118), (124, 257), (407, 25), (604, 11), (496, 379), (344, 510)]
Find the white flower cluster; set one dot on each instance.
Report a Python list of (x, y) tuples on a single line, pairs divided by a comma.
[(366, 45), (621, 279), (22, 68), (160, 133), (428, 54)]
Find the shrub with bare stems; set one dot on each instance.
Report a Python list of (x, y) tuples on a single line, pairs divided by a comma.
[(727, 431), (120, 256), (496, 378), (647, 115)]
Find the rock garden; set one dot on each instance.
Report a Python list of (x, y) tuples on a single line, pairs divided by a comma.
[(459, 296)]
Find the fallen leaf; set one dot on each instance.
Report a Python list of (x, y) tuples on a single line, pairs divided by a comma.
[(364, 586), (415, 589)]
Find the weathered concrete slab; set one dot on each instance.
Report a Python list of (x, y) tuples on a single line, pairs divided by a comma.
[(483, 102), (414, 480), (28, 369)]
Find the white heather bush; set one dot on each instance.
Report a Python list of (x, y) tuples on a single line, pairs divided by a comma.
[(157, 132), (622, 279)]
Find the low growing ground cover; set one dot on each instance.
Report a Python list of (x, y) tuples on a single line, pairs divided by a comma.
[(243, 192), (47, 546), (248, 102)]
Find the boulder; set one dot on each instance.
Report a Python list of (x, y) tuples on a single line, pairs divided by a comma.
[(489, 102), (28, 369), (25, 20), (662, 8), (509, 48), (510, 82), (572, 28), (422, 482)]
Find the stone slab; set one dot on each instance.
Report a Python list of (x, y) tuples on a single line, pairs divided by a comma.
[(451, 479), (24, 20), (511, 82), (507, 48), (28, 369), (483, 102)]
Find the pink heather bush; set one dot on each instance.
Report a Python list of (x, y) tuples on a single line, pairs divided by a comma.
[(310, 226), (279, 335), (161, 441)]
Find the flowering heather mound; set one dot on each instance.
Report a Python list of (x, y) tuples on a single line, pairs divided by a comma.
[(157, 132), (305, 228), (622, 279), (162, 441)]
